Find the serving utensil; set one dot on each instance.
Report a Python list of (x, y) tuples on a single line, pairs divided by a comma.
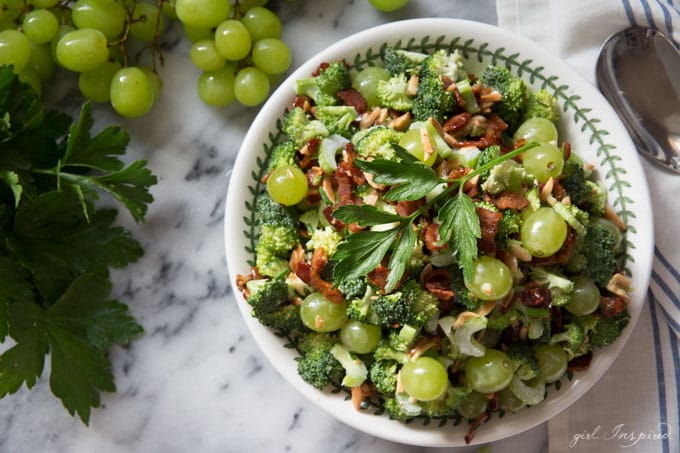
[(638, 71)]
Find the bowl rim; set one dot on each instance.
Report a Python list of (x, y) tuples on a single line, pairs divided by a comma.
[(577, 90)]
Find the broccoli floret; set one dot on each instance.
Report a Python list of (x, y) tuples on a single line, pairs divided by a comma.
[(487, 155), (383, 374), (599, 252), (326, 238), (573, 340), (461, 295), (399, 61), (422, 304), (278, 236), (353, 288), (393, 93), (514, 94), (508, 227), (524, 361), (391, 309), (508, 175), (431, 99), (447, 405), (269, 212), (608, 329), (270, 305), (542, 104), (582, 192), (400, 407), (445, 64), (386, 351), (316, 365), (300, 128), (573, 215), (376, 142), (361, 309), (323, 88), (283, 155), (355, 370), (338, 119)]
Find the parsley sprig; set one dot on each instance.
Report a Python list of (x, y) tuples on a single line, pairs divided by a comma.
[(409, 179), (57, 247)]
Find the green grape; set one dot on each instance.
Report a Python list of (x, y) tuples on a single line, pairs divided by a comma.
[(202, 13), (287, 185), (63, 29), (321, 314), (169, 9), (131, 92), (146, 19), (204, 55), (195, 34), (156, 82), (251, 86), (474, 405), (233, 40), (262, 23), (539, 130), (29, 76), (552, 361), (543, 232), (491, 279), (216, 88), (44, 3), (412, 143), (41, 61), (424, 378), (490, 373), (104, 15), (15, 49), (40, 26), (388, 5), (585, 299), (271, 55), (544, 161), (359, 337), (82, 50), (366, 82), (509, 400), (96, 84)]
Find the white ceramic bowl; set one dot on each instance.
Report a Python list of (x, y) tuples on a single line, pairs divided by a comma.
[(588, 123)]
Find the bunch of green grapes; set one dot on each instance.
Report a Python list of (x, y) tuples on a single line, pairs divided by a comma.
[(114, 46), (237, 47)]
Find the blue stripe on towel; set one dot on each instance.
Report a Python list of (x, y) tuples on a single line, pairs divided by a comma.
[(672, 270), (648, 13), (666, 289), (676, 366), (629, 12), (667, 19), (675, 8), (673, 323), (660, 377)]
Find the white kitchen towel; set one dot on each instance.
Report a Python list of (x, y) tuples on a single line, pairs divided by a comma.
[(634, 407)]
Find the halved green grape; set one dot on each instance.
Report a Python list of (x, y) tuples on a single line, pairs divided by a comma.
[(544, 161), (96, 84), (540, 130), (104, 15), (41, 61), (202, 13), (204, 55), (15, 49), (388, 5), (262, 23), (216, 88), (585, 298), (491, 279), (321, 314), (366, 82), (131, 92), (509, 401), (490, 373), (40, 26), (251, 86), (271, 55), (287, 185), (424, 379), (474, 405), (146, 20), (412, 142), (233, 40), (552, 361), (359, 337), (82, 50), (543, 232)]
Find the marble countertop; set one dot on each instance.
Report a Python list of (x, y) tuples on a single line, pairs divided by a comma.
[(196, 381)]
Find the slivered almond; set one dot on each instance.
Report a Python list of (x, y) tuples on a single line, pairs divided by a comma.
[(486, 308), (412, 86), (327, 186), (368, 119), (464, 316), (491, 97), (619, 284), (428, 148), (610, 214), (401, 122)]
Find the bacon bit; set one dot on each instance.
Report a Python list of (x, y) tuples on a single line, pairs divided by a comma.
[(313, 196), (566, 146), (438, 283), (354, 173), (354, 227), (335, 223), (560, 193), (619, 285), (612, 306), (311, 148), (359, 394), (384, 114), (458, 172), (353, 98), (456, 95), (378, 277), (610, 214), (447, 81), (535, 297), (432, 239), (493, 135), (319, 259), (456, 124), (474, 425), (322, 67), (344, 188), (407, 207), (401, 122), (471, 186), (580, 363), (562, 255), (510, 200), (241, 281), (303, 102), (488, 222), (412, 87)]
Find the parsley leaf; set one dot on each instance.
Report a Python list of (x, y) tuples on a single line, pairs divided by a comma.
[(362, 252), (402, 250), (364, 215), (412, 180), (460, 227)]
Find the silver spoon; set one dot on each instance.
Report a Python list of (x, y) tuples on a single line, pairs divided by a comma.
[(638, 71)]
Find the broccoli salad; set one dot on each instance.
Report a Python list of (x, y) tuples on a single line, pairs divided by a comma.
[(429, 243)]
